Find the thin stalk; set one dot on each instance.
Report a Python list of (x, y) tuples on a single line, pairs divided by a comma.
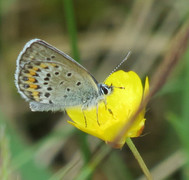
[(71, 26), (139, 159)]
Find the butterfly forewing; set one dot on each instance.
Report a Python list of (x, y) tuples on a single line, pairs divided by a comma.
[(52, 80)]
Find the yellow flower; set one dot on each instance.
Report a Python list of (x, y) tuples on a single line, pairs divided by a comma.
[(122, 103)]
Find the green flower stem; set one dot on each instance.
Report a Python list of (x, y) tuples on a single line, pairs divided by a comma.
[(71, 26), (89, 168), (139, 158), (84, 146)]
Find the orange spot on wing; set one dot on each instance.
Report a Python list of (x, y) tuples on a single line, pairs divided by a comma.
[(30, 79), (35, 93), (32, 73), (35, 68), (52, 64), (43, 65), (33, 86)]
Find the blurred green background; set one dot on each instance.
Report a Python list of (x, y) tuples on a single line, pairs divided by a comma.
[(99, 34)]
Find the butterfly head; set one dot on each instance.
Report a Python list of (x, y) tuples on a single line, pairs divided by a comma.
[(105, 89)]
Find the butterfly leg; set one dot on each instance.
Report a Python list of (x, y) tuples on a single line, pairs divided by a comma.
[(84, 118), (97, 114), (108, 109)]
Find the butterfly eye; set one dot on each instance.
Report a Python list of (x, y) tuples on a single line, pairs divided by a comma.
[(104, 89)]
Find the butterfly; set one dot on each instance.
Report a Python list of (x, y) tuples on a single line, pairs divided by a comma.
[(51, 80)]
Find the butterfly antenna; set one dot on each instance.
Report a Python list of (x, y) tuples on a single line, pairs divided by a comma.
[(125, 59)]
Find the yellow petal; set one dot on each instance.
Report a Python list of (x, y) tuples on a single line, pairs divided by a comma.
[(122, 103)]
